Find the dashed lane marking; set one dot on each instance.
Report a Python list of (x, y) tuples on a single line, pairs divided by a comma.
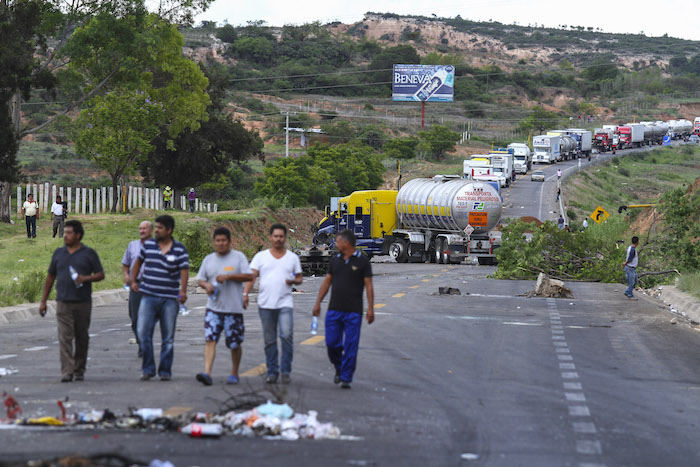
[(6, 356), (379, 305), (414, 286), (35, 349), (398, 295), (257, 371), (425, 280), (313, 340)]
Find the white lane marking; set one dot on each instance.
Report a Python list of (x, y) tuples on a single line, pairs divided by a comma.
[(557, 327), (565, 357), (562, 350), (590, 464), (96, 335), (557, 331), (567, 366), (6, 356), (579, 411), (516, 323), (109, 330), (575, 396), (560, 344), (572, 386), (35, 349), (558, 338), (584, 427), (585, 446), (569, 375)]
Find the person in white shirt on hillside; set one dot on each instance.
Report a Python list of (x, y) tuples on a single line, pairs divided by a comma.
[(279, 269), (57, 217), (31, 213)]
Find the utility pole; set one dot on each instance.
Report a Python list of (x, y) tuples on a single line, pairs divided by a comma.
[(286, 128)]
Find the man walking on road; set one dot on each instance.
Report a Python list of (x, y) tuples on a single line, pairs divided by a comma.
[(560, 222), (74, 267), (57, 217), (222, 275), (558, 175), (31, 213), (133, 251), (164, 282), (630, 266), (349, 273), (279, 269)]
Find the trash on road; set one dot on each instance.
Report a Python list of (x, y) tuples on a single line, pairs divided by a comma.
[(7, 371), (448, 291)]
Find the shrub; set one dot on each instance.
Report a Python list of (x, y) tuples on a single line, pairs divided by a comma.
[(624, 172), (25, 289), (571, 214), (195, 237)]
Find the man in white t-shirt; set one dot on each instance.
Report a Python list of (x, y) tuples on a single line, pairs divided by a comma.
[(31, 214), (279, 269), (57, 217), (222, 274)]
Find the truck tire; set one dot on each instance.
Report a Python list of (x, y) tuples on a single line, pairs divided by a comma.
[(446, 255), (439, 246), (399, 251)]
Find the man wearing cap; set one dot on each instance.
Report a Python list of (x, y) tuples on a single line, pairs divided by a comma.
[(167, 197), (191, 196)]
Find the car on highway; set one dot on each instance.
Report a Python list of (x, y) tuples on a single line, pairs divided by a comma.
[(537, 176), (695, 139)]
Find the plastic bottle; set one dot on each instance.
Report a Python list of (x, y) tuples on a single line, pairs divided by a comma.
[(74, 276), (200, 430), (126, 287), (215, 296), (314, 325), (183, 308)]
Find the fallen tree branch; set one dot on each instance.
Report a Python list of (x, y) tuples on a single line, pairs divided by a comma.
[(652, 273)]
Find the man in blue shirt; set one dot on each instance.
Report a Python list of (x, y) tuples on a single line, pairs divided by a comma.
[(630, 265), (163, 284), (133, 251), (349, 272)]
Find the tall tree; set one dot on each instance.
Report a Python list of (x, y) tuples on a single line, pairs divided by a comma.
[(539, 120)]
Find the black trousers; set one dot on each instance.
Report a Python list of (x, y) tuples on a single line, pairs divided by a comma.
[(31, 226)]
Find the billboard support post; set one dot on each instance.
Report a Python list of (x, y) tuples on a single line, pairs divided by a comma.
[(422, 115)]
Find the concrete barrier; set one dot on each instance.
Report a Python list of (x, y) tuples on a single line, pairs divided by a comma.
[(681, 301)]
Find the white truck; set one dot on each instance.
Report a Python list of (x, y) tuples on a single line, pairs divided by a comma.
[(480, 168), (502, 163), (584, 138), (547, 149), (523, 157)]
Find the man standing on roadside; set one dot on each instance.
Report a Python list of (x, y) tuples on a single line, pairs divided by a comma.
[(279, 269), (222, 275), (133, 251), (74, 267), (191, 196), (31, 214), (57, 217), (558, 175), (585, 223), (167, 197), (163, 284), (349, 273), (630, 266)]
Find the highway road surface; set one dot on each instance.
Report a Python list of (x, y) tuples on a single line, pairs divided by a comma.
[(485, 378)]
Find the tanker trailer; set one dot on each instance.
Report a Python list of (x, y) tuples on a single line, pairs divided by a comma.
[(444, 219), (569, 146)]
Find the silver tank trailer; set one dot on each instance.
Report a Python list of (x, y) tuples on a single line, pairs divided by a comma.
[(654, 130), (444, 203), (568, 144)]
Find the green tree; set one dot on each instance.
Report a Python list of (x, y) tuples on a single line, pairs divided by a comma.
[(385, 60), (352, 167), (297, 182), (401, 148), (441, 140), (539, 120), (117, 130), (255, 49), (227, 33)]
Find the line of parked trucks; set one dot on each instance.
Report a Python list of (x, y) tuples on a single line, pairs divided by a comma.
[(446, 218), (631, 135)]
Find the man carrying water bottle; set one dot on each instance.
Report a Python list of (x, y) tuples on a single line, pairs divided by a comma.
[(279, 269), (222, 274), (74, 267)]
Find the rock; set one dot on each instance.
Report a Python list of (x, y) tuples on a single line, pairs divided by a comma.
[(448, 291), (551, 288)]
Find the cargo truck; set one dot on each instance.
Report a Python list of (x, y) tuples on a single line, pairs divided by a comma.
[(502, 161), (630, 135), (584, 139), (696, 126), (567, 145), (547, 149), (479, 168), (603, 140), (522, 163)]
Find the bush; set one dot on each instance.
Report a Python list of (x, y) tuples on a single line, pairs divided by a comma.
[(624, 172), (195, 237), (615, 160), (26, 289), (571, 214), (368, 106)]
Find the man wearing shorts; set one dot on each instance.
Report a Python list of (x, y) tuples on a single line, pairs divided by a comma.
[(222, 275)]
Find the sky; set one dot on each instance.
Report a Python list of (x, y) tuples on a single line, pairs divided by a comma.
[(653, 17)]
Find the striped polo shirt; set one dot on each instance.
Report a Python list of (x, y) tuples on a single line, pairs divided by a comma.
[(161, 272)]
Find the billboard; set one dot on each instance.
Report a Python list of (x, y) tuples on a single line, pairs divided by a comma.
[(423, 83)]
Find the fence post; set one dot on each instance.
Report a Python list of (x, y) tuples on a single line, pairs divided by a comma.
[(140, 190), (77, 200), (215, 208), (208, 207), (68, 196), (90, 201), (97, 201), (46, 197), (53, 194), (40, 200), (130, 197), (19, 200), (104, 199), (84, 203)]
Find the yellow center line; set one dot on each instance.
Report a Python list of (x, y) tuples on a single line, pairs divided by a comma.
[(257, 371), (313, 340), (380, 305), (444, 270), (398, 295), (414, 286), (436, 275), (425, 280)]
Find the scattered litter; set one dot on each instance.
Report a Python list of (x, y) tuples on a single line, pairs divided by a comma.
[(203, 430), (674, 321), (132, 340), (160, 463), (448, 291), (46, 421), (16, 279), (275, 410), (7, 371), (20, 260), (149, 414)]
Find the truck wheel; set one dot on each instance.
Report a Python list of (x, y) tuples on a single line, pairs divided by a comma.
[(439, 246), (446, 255), (399, 251)]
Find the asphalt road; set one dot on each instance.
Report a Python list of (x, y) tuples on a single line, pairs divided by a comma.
[(488, 378)]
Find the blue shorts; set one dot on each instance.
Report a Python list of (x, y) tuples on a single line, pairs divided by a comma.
[(232, 323)]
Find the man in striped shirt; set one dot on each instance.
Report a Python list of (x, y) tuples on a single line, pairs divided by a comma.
[(162, 285)]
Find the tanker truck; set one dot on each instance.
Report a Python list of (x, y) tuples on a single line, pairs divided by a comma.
[(444, 219)]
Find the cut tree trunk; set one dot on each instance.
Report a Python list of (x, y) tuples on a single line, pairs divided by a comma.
[(5, 209)]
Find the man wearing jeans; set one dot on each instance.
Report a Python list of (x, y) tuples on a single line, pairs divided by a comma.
[(133, 251), (58, 217), (278, 269), (31, 214), (630, 266), (349, 273), (163, 284), (75, 267)]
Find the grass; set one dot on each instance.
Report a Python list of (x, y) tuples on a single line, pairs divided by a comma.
[(690, 283), (28, 260)]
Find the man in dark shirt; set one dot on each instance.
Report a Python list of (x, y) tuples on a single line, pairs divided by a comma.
[(163, 284), (74, 267), (349, 273)]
